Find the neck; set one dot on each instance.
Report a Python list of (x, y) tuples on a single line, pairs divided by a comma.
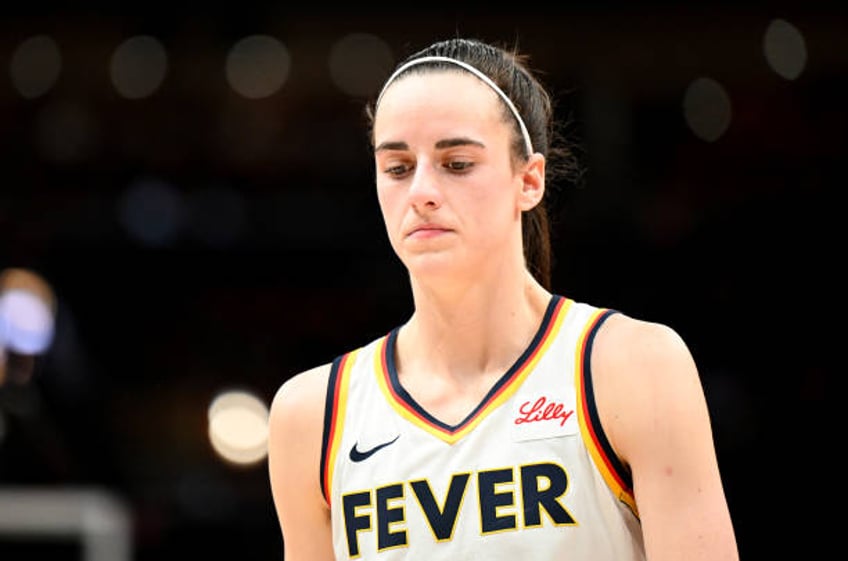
[(473, 329)]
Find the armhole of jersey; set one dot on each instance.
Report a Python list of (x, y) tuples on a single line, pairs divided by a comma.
[(334, 406), (614, 472)]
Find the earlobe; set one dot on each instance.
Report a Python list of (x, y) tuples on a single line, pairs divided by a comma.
[(533, 182)]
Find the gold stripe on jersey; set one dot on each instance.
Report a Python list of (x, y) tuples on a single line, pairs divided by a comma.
[(335, 408), (608, 464), (505, 387)]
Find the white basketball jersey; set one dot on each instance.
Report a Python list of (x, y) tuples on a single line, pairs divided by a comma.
[(529, 474)]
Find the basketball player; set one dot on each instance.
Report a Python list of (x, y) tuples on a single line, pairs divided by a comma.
[(502, 421)]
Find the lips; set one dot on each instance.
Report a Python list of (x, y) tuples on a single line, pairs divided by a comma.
[(426, 231)]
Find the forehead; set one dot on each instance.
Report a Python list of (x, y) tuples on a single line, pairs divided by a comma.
[(443, 95)]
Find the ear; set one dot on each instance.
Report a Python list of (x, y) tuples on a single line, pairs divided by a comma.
[(532, 182)]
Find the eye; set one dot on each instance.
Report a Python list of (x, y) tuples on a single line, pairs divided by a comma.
[(459, 165), (397, 170)]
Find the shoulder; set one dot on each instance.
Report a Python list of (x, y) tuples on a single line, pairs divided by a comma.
[(301, 396), (295, 427), (624, 340), (644, 377), (295, 431)]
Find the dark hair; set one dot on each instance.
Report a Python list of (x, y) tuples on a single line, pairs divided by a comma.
[(512, 74)]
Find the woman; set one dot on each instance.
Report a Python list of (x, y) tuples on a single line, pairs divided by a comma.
[(502, 420)]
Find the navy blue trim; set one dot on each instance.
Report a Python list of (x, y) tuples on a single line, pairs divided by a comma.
[(505, 379), (332, 389), (591, 407)]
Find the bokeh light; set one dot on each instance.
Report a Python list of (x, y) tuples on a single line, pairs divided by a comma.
[(706, 107), (151, 211), (26, 321), (27, 311), (785, 49), (35, 66), (238, 427), (257, 66), (138, 66)]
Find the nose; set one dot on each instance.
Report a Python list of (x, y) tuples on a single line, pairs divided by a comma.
[(424, 190)]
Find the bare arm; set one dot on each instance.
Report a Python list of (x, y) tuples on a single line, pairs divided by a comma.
[(294, 456), (653, 409)]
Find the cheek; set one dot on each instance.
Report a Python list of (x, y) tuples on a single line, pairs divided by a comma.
[(496, 218)]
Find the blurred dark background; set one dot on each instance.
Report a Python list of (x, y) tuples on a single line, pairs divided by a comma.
[(195, 186)]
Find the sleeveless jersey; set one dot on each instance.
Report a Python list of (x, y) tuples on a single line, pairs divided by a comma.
[(528, 474)]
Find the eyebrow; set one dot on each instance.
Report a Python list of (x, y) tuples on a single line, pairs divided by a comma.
[(440, 145)]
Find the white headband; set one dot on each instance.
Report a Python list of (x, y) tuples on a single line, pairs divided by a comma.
[(488, 81)]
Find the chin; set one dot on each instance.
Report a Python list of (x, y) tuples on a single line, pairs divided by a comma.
[(434, 265)]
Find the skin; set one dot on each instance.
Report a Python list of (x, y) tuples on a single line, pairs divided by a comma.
[(451, 198)]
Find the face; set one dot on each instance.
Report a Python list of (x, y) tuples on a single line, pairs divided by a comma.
[(450, 195)]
